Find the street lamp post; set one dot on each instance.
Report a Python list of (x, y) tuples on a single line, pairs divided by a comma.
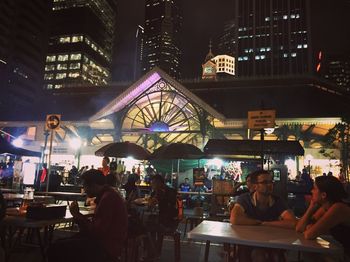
[(75, 143), (308, 158)]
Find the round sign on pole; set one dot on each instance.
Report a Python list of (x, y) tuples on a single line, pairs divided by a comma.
[(53, 121)]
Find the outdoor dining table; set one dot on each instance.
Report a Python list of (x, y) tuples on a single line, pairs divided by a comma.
[(15, 197), (64, 196), (9, 190), (15, 221), (261, 236)]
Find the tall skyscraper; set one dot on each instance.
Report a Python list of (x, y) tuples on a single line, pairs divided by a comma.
[(139, 37), (227, 40), (336, 69), (163, 21), (273, 37), (23, 40), (81, 42)]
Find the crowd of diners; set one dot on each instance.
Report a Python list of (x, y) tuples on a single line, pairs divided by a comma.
[(102, 237)]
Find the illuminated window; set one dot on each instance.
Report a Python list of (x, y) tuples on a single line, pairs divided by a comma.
[(58, 86), (75, 56), (294, 54), (76, 39), (48, 76), (74, 66), (62, 58), (49, 67), (65, 39), (61, 75), (61, 66), (49, 86), (74, 75), (51, 58)]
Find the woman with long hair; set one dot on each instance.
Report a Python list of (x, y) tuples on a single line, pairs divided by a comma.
[(327, 212)]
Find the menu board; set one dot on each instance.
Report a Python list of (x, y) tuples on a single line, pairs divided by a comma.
[(222, 187), (198, 176)]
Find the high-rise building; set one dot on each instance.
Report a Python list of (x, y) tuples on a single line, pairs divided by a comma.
[(138, 51), (273, 37), (336, 69), (23, 40), (227, 40), (81, 42), (163, 21)]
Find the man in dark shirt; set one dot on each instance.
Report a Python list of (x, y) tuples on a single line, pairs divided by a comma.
[(165, 197), (261, 208), (102, 238)]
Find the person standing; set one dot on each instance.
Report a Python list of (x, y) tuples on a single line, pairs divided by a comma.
[(105, 166), (103, 237)]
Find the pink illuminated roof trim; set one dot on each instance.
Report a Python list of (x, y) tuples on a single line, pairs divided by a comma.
[(146, 82), (128, 95)]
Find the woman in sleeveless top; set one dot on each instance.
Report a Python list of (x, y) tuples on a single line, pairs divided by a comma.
[(327, 213)]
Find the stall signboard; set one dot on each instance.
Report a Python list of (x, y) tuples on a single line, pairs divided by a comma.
[(28, 171), (258, 120), (198, 176), (17, 174)]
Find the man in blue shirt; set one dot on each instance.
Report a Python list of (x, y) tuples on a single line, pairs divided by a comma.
[(261, 208), (186, 187)]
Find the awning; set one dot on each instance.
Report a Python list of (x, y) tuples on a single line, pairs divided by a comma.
[(7, 148), (252, 147)]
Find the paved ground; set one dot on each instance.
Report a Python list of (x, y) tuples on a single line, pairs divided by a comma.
[(190, 251)]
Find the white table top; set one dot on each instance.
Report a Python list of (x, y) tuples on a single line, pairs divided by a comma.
[(14, 218), (261, 236)]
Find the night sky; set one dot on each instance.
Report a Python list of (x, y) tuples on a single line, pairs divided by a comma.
[(204, 20)]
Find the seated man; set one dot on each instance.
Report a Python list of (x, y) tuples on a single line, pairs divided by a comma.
[(165, 197), (186, 187), (102, 238), (261, 208)]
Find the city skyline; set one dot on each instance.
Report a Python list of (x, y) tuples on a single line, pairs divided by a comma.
[(205, 20)]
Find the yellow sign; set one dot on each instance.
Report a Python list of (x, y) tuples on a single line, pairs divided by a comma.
[(261, 119), (53, 121)]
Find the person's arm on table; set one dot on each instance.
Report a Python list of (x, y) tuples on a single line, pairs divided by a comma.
[(239, 217), (332, 217), (287, 220), (313, 213)]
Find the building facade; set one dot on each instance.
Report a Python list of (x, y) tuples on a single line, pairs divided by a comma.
[(23, 39), (163, 21), (336, 69), (81, 43), (227, 40), (273, 37)]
